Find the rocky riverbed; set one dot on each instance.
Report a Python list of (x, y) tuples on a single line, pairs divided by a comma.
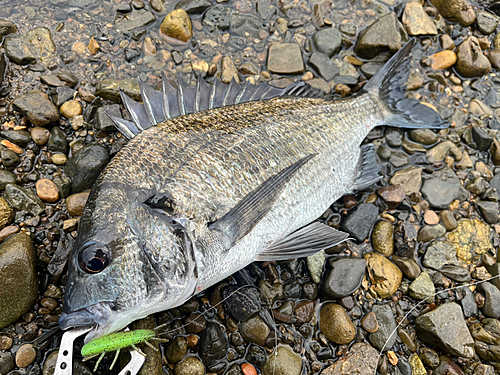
[(389, 300)]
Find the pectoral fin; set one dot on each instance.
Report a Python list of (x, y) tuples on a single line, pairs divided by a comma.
[(303, 242), (243, 217)]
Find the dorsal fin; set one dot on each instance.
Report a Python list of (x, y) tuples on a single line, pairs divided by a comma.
[(170, 102)]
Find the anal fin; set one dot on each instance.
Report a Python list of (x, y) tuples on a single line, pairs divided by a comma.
[(303, 242), (368, 168)]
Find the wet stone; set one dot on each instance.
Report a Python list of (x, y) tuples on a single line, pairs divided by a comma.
[(470, 60), (243, 24), (323, 65), (47, 190), (410, 178), (343, 277), (285, 58), (102, 120), (471, 239), (85, 165), (489, 210), (409, 266), (134, 20), (255, 330), (315, 265), (385, 34), (6, 28), (216, 19), (71, 109), (25, 355), (24, 199), (429, 357), (58, 142), (360, 359), (6, 213), (193, 6), (422, 287), (177, 25), (384, 275), (431, 232), (423, 136), (18, 278), (109, 89), (336, 324), (7, 362), (445, 328), (19, 137), (358, 222), (60, 80), (37, 108), (191, 366), (176, 349), (456, 11), (491, 293), (457, 273), (18, 51), (486, 22), (369, 322), (241, 303), (439, 193), (6, 178), (382, 238), (439, 253), (283, 361), (40, 135), (213, 344), (228, 70), (405, 238), (6, 342), (304, 311), (10, 159), (468, 303), (448, 220), (392, 195), (416, 21), (387, 325), (328, 41)]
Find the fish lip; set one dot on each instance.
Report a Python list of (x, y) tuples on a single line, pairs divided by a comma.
[(80, 318)]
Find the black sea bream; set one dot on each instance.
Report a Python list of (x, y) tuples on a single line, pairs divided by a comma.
[(217, 177)]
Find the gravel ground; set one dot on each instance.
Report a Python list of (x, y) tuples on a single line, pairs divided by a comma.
[(419, 237)]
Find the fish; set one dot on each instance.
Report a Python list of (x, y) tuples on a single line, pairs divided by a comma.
[(215, 177)]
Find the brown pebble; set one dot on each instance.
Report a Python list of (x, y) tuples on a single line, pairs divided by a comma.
[(49, 303), (248, 369), (71, 108), (442, 60), (11, 146), (8, 231), (192, 341), (369, 322), (47, 190), (342, 89), (75, 203), (25, 355), (6, 342), (40, 135), (431, 217), (93, 46), (479, 300)]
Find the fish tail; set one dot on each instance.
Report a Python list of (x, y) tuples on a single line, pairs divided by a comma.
[(388, 85)]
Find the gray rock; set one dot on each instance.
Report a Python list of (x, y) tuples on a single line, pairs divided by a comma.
[(393, 137), (489, 210), (63, 185), (255, 330), (423, 136), (18, 279), (405, 238), (241, 303), (328, 41), (62, 95), (385, 34), (468, 303), (470, 59), (6, 28), (494, 270), (243, 24), (282, 362), (265, 9), (491, 294), (409, 266), (102, 120), (60, 80), (18, 51), (431, 232), (37, 108), (370, 69), (343, 277), (6, 178), (360, 219), (10, 160), (486, 22), (6, 362), (216, 19), (110, 89), (315, 264), (360, 359), (439, 193), (422, 287), (24, 199), (193, 6), (456, 273), (439, 253), (382, 339), (58, 141), (189, 365), (134, 20), (446, 329), (456, 11), (325, 67), (85, 165), (19, 137), (285, 58), (213, 344)]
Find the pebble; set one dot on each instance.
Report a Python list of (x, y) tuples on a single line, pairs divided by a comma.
[(37, 108), (359, 221), (213, 344), (18, 278), (176, 349), (328, 41), (323, 65), (456, 11), (315, 264), (282, 361), (409, 266), (228, 70), (470, 59), (410, 178), (439, 193), (7, 362), (336, 324), (6, 213), (189, 365), (416, 21), (285, 58), (110, 89), (177, 25), (85, 165), (360, 359), (441, 60), (392, 195), (24, 199), (430, 217), (133, 21), (383, 337), (58, 142), (6, 342), (248, 369), (369, 322), (25, 355), (486, 22), (384, 274), (445, 327), (216, 18), (40, 135), (491, 294), (254, 330), (471, 239), (343, 277), (71, 109), (383, 238), (430, 232), (10, 159), (59, 159), (93, 47), (422, 288), (47, 190)]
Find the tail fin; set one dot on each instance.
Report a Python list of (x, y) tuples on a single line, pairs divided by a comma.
[(388, 85)]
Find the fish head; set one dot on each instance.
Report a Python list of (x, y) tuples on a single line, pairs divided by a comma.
[(133, 266)]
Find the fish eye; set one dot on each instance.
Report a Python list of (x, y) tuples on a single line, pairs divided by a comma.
[(94, 257)]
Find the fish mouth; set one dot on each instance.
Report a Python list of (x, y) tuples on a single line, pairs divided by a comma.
[(97, 316)]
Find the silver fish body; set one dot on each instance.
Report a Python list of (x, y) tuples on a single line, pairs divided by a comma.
[(192, 200)]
